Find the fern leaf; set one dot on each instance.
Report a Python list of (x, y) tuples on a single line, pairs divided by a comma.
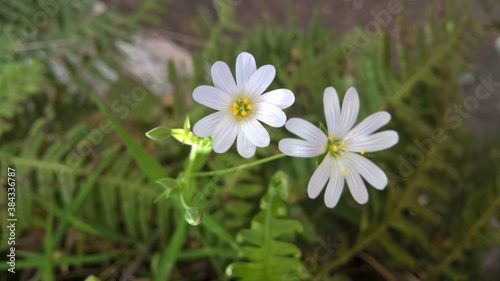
[(269, 258)]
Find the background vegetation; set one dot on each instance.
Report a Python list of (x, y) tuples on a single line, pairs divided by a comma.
[(86, 176)]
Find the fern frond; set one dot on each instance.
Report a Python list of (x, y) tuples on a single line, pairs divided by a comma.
[(59, 167), (269, 258)]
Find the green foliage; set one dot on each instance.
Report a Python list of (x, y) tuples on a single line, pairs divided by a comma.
[(270, 258), (394, 225), (103, 207), (18, 79), (72, 42), (416, 80)]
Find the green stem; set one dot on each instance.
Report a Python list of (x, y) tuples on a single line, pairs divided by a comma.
[(190, 184), (241, 167)]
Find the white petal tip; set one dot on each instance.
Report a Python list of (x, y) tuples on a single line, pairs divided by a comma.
[(330, 204), (245, 54), (247, 156), (361, 198), (330, 88), (352, 91), (382, 183), (393, 138), (311, 192), (218, 64), (218, 149)]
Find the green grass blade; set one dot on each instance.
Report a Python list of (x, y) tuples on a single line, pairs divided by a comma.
[(170, 253)]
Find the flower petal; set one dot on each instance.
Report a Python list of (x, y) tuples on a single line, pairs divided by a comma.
[(270, 114), (222, 77), (375, 142), (255, 132), (332, 110), (319, 178), (206, 126), (224, 136), (355, 183), (212, 97), (260, 80), (300, 148), (350, 109), (368, 170), (307, 131), (334, 187), (245, 67), (244, 146), (370, 124), (282, 98)]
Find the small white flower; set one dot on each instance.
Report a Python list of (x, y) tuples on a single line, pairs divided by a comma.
[(341, 161), (241, 105)]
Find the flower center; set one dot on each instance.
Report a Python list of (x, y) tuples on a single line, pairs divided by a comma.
[(241, 108), (336, 147)]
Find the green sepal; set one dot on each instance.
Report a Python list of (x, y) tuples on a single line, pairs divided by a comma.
[(170, 185), (159, 133)]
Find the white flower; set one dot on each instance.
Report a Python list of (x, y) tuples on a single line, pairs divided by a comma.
[(341, 161), (241, 105)]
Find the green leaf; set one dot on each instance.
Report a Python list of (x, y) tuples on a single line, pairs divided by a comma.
[(149, 165), (238, 208), (170, 254), (187, 124), (396, 251), (246, 190), (169, 184), (159, 133), (268, 258)]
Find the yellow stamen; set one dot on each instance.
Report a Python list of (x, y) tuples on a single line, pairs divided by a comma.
[(335, 148), (363, 151), (330, 137), (241, 108), (353, 132), (343, 144), (338, 157), (344, 172), (346, 157)]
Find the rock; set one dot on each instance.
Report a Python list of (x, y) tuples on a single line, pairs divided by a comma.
[(146, 59)]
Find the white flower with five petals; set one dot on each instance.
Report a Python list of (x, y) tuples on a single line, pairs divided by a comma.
[(241, 104), (342, 143)]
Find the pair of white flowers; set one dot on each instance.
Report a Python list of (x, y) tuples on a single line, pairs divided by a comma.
[(241, 105)]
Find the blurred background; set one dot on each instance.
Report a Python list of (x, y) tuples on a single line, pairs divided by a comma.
[(82, 81)]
